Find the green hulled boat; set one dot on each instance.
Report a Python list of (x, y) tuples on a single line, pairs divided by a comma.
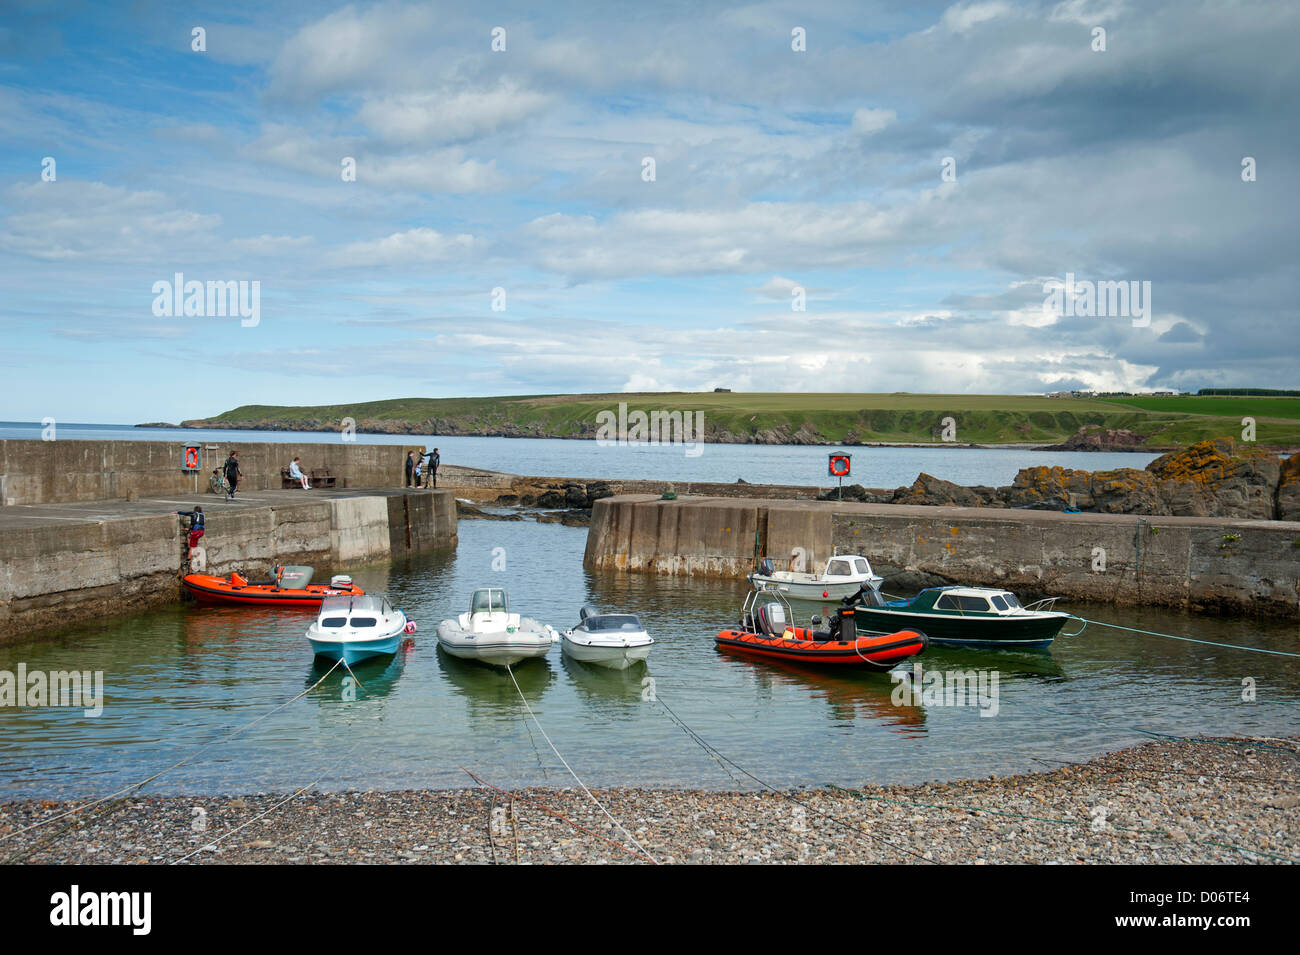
[(963, 616)]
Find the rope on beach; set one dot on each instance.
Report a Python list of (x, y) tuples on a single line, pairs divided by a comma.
[(212, 843), (717, 754), (558, 815), (1171, 636), (120, 794), (511, 671)]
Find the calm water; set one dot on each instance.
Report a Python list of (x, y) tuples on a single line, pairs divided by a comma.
[(758, 464), (184, 675)]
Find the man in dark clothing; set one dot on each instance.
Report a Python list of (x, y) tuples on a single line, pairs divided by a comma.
[(233, 474), (410, 468), (196, 527), (431, 462)]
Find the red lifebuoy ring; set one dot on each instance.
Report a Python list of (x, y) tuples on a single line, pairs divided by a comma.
[(839, 465), (192, 458)]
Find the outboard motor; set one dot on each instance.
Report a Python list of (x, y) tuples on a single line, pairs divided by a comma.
[(585, 612)]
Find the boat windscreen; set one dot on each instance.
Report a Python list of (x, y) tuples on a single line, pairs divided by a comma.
[(612, 621), (489, 600)]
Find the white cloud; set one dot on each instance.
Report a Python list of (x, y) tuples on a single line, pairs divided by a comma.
[(960, 17), (73, 219), (449, 115), (413, 247), (868, 121)]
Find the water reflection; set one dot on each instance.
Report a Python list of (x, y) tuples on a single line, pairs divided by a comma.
[(617, 694), (368, 680), (489, 692)]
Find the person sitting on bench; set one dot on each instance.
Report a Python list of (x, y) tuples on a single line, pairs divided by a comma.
[(295, 472)]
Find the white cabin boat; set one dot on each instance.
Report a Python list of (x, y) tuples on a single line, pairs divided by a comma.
[(843, 576), (613, 640)]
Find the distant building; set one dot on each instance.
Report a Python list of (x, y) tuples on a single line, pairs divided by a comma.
[(721, 389)]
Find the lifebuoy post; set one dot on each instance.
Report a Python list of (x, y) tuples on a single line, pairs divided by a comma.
[(840, 466), (191, 462)]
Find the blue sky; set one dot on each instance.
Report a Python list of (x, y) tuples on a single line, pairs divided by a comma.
[(522, 169)]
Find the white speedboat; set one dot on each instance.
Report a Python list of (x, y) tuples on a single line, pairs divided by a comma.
[(843, 576), (614, 640), (357, 628), (490, 633)]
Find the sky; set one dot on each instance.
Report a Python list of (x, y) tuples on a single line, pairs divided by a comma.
[(916, 173)]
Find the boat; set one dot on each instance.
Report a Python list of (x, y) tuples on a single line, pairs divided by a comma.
[(357, 628), (842, 576), (965, 616), (490, 633), (766, 630), (290, 587), (613, 640)]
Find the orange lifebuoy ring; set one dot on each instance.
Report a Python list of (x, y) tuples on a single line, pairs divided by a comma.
[(839, 465), (191, 457)]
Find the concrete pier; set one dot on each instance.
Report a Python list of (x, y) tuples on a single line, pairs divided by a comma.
[(46, 472), (1200, 563), (63, 563)]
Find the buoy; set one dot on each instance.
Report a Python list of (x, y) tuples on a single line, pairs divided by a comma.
[(826, 593), (410, 626)]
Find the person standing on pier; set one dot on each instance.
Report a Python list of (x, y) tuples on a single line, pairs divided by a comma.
[(410, 467), (432, 460), (233, 474)]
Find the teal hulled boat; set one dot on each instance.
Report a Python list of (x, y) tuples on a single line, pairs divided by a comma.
[(963, 616)]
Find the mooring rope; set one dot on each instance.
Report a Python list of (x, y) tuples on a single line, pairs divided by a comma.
[(558, 815), (1171, 636), (181, 762), (270, 809), (713, 751), (511, 671)]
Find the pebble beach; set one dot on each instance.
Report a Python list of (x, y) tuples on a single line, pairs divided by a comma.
[(1185, 801)]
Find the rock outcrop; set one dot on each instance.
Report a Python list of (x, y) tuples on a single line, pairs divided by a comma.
[(1215, 478)]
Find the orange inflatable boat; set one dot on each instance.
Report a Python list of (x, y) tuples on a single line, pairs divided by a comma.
[(764, 631), (291, 587)]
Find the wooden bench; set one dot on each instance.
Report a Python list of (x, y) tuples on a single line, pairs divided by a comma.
[(287, 482), (322, 477)]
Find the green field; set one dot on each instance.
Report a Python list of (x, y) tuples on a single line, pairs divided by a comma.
[(1218, 405), (826, 418)]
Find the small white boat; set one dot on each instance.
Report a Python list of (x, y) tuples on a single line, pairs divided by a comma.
[(490, 633), (614, 640), (843, 576), (357, 628)]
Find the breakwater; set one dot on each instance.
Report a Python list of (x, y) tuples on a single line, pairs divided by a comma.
[(66, 563), (1200, 563)]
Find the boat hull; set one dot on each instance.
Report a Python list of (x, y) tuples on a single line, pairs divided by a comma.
[(353, 651), (613, 658), (1034, 632), (496, 648), (808, 591), (880, 651)]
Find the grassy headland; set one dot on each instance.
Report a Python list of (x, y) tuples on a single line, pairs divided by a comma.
[(795, 418)]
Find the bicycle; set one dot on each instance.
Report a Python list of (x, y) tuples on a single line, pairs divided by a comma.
[(217, 483)]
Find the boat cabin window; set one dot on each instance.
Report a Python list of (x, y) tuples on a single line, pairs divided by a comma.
[(862, 566), (334, 621), (1011, 600), (998, 602), (965, 604), (839, 568), (488, 601), (364, 621)]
